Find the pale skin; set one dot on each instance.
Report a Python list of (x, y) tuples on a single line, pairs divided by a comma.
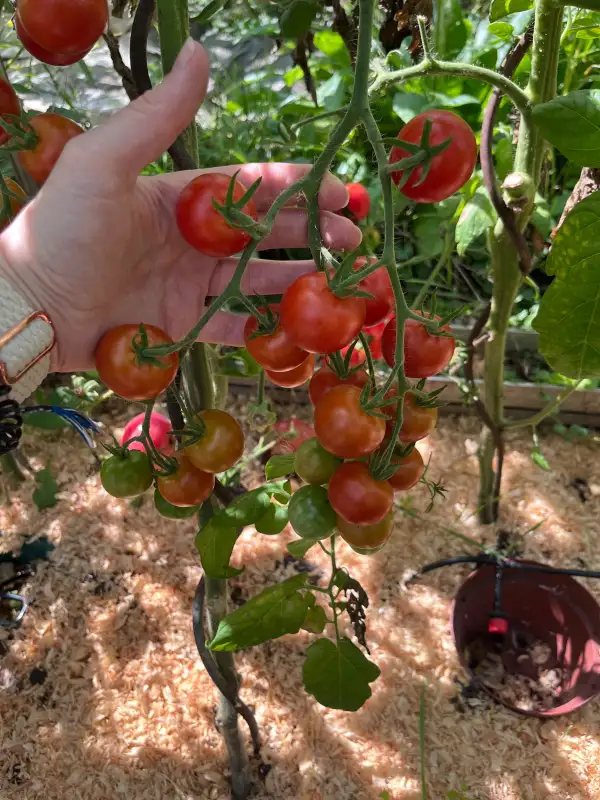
[(99, 247)]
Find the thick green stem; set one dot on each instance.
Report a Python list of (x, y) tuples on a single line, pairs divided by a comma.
[(506, 274)]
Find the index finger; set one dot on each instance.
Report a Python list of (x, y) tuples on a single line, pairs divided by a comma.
[(333, 194)]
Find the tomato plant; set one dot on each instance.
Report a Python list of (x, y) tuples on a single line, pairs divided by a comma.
[(315, 319), (359, 200), (310, 514), (221, 445), (343, 427), (366, 539), (158, 432), (53, 132), (379, 285), (126, 475), (187, 486), (292, 378), (357, 497), (202, 225), (10, 106), (16, 203), (325, 379), (125, 371), (46, 56), (61, 26), (275, 350), (450, 169), (425, 353), (409, 471), (313, 463)]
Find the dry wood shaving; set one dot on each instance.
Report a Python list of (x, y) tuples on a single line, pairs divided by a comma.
[(102, 694)]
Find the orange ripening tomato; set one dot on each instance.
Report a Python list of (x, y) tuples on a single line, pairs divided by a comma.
[(292, 378), (63, 26), (188, 486), (274, 351), (202, 225), (39, 53), (16, 203), (120, 368), (366, 539), (409, 471), (222, 444), (379, 285), (356, 496), (417, 420), (9, 107), (343, 427), (425, 354), (53, 132)]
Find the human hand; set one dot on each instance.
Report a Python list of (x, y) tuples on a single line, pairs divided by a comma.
[(99, 246)]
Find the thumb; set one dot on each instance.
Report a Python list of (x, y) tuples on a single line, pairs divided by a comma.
[(143, 130)]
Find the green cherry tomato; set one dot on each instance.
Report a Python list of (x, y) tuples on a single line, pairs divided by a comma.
[(169, 511), (314, 464), (128, 475), (310, 513)]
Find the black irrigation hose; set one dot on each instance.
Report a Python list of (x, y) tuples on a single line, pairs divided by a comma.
[(505, 563)]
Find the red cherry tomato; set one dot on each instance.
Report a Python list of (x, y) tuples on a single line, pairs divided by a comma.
[(222, 444), (54, 59), (202, 225), (53, 132), (425, 354), (378, 284), (358, 356), (357, 497), (16, 203), (315, 319), (374, 335), (274, 351), (292, 378), (291, 433), (188, 486), (359, 201), (343, 427), (120, 369), (417, 421), (9, 107), (450, 169), (409, 471), (366, 539), (159, 432), (324, 379), (63, 26)]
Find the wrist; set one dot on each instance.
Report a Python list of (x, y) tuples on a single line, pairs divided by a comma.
[(26, 333)]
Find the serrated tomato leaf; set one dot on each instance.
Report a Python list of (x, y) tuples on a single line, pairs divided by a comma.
[(277, 610), (568, 320), (338, 676), (572, 123)]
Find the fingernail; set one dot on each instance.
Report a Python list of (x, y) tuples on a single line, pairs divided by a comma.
[(185, 55)]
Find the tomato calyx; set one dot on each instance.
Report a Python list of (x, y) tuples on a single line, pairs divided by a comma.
[(23, 136), (426, 399), (422, 155), (151, 355), (231, 210)]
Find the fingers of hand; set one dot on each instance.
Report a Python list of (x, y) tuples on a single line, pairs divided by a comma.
[(261, 276), (291, 230)]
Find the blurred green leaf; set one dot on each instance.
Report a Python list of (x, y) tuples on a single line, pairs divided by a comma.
[(44, 496), (298, 17), (476, 218), (503, 30)]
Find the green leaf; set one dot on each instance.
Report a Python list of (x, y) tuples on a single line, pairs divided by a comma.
[(278, 466), (538, 458), (503, 30), (238, 364), (451, 30), (501, 8), (572, 123), (273, 521), (408, 104), (44, 496), (215, 543), (568, 319), (247, 509), (300, 547), (541, 217), (45, 420), (476, 218), (208, 12), (331, 44), (277, 610), (338, 676), (315, 620), (297, 18), (504, 158), (332, 93), (498, 10)]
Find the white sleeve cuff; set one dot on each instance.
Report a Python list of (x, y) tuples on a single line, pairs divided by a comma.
[(25, 356)]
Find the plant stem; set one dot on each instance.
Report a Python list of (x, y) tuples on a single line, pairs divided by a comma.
[(544, 412), (506, 274)]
